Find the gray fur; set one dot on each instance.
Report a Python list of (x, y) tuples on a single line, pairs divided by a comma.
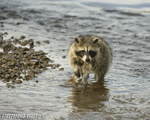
[(99, 64)]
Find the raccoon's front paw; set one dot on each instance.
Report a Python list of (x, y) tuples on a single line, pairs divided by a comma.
[(80, 85), (84, 85), (74, 79)]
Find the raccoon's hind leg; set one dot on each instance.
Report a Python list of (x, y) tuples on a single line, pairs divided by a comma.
[(99, 77)]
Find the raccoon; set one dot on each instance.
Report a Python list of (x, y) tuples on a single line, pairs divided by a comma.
[(89, 54)]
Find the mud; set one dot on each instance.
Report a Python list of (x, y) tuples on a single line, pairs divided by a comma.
[(45, 29)]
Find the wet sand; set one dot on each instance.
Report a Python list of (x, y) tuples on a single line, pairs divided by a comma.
[(52, 25)]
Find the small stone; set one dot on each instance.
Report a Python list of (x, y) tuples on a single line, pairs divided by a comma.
[(31, 43), (18, 81), (22, 37), (7, 48), (5, 33), (57, 65), (36, 81), (46, 41), (1, 38), (8, 85), (6, 80), (23, 43), (15, 41), (31, 74), (18, 23), (38, 42), (53, 67), (12, 37), (7, 76), (64, 56), (61, 69)]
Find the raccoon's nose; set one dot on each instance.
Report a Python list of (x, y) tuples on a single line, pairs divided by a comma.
[(87, 60)]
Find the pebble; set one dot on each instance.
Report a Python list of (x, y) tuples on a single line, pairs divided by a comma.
[(18, 81), (46, 41), (64, 56), (61, 69), (22, 37), (38, 42)]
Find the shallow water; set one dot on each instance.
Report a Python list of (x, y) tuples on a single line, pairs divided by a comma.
[(125, 93)]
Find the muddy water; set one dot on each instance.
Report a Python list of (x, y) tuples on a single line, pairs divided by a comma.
[(125, 93)]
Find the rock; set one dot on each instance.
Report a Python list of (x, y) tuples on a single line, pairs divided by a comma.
[(18, 81), (1, 37), (36, 81), (5, 33), (18, 23), (10, 85), (46, 41), (38, 42), (31, 43), (22, 37), (6, 48), (31, 74), (15, 41), (64, 56), (61, 69), (24, 43)]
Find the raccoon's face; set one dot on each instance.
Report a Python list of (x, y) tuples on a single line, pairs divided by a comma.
[(86, 50), (86, 55)]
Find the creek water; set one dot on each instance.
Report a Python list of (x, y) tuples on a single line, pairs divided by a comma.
[(125, 95)]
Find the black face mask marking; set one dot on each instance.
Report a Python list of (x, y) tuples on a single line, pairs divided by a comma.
[(80, 53), (92, 53), (83, 52)]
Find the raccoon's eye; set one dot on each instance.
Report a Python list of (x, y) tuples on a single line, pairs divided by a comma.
[(92, 53), (80, 53)]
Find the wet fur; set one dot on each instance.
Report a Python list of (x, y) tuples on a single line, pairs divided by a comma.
[(99, 64)]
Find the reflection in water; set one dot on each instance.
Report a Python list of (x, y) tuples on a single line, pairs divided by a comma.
[(90, 99)]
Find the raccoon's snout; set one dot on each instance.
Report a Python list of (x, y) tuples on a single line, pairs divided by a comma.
[(87, 60)]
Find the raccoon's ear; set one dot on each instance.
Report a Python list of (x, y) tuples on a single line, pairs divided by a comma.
[(77, 40), (95, 40)]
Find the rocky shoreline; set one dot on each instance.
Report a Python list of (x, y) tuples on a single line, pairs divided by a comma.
[(19, 61)]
